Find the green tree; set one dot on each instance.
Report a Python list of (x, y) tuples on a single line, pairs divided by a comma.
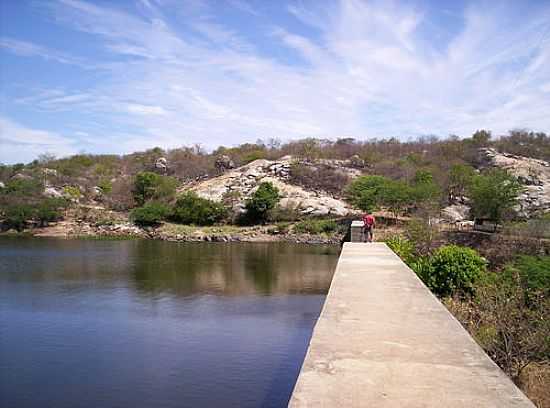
[(152, 213), (481, 138), (424, 190), (17, 215), (365, 192), (49, 210), (460, 178), (192, 209), (396, 196), (262, 201), (493, 194), (149, 185)]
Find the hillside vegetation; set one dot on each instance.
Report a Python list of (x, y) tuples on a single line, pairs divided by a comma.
[(425, 193)]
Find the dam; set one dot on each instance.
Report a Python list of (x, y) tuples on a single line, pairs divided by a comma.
[(384, 340)]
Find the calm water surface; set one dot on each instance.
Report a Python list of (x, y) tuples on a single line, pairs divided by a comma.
[(156, 324)]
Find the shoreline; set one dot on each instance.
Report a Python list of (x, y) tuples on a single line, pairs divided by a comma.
[(175, 233)]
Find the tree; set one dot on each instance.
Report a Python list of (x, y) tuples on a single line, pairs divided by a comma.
[(48, 210), (481, 138), (192, 209), (493, 194), (150, 214), (460, 178), (16, 216), (424, 189), (262, 201), (371, 192), (396, 196), (149, 185), (365, 192)]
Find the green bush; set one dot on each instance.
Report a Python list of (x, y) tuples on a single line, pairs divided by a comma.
[(23, 187), (16, 216), (106, 186), (192, 209), (264, 199), (150, 214), (73, 192), (316, 227), (533, 272), (493, 194), (453, 268), (402, 247), (152, 186), (48, 210)]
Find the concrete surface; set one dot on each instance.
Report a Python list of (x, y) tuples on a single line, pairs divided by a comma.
[(383, 340), (357, 231)]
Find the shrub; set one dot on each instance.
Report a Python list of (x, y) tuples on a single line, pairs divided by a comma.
[(48, 210), (316, 227), (262, 201), (453, 268), (511, 324), (106, 186), (73, 192), (402, 247), (150, 214), (533, 273), (192, 209), (16, 216), (149, 185), (493, 194), (422, 234), (23, 187)]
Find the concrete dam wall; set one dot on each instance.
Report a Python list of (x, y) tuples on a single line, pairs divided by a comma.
[(384, 340)]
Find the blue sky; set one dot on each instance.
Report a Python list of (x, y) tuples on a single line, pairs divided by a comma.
[(120, 76)]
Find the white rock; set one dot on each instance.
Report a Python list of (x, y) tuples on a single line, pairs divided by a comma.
[(52, 192), (456, 212)]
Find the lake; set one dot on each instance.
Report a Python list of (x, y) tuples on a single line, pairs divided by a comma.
[(140, 323)]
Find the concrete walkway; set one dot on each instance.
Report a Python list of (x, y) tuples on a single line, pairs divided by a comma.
[(383, 340)]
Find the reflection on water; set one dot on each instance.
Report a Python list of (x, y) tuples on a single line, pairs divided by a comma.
[(148, 323)]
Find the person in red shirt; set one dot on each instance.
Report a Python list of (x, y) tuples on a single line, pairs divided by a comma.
[(368, 227)]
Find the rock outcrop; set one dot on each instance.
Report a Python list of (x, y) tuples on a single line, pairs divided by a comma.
[(534, 174), (455, 212), (224, 163), (161, 164), (243, 181)]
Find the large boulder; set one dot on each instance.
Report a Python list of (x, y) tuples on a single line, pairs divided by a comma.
[(161, 164), (455, 212)]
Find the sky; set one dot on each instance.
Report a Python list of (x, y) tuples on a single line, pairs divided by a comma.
[(117, 76)]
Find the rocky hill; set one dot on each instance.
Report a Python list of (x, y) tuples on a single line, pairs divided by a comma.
[(534, 174), (239, 183)]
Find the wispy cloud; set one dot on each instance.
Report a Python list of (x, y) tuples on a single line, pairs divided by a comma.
[(27, 49), (368, 69), (22, 144)]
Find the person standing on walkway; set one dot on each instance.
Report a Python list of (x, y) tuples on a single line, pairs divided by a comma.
[(368, 227)]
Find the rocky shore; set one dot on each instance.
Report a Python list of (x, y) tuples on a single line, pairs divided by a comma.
[(176, 233)]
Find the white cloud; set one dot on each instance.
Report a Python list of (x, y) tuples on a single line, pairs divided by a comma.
[(145, 110), (371, 69), (21, 144), (27, 49)]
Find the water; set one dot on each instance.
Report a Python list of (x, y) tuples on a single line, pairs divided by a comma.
[(156, 324)]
